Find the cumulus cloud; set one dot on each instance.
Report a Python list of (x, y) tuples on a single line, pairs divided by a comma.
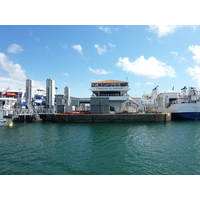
[(13, 76), (99, 49), (195, 49), (99, 71), (195, 73), (163, 30), (40, 84), (14, 70), (15, 48), (150, 68), (107, 29), (78, 48)]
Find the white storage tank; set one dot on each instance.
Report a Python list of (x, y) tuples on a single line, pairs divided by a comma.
[(29, 91), (50, 92), (67, 94)]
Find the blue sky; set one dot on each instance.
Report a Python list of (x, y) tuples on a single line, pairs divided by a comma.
[(75, 56)]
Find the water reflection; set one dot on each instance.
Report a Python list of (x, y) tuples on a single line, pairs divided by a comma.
[(123, 148)]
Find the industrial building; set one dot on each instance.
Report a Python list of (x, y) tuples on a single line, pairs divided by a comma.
[(107, 96), (116, 91)]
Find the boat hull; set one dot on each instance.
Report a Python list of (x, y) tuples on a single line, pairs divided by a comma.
[(186, 116)]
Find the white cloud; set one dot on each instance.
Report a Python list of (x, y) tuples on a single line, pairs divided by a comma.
[(150, 83), (99, 49), (111, 45), (14, 70), (78, 48), (105, 29), (99, 71), (179, 59), (81, 85), (162, 30), (66, 74), (195, 73), (174, 53), (37, 39), (194, 27), (15, 48), (14, 76), (149, 39), (67, 83), (138, 84), (40, 84), (195, 49), (64, 46), (148, 68), (6, 82)]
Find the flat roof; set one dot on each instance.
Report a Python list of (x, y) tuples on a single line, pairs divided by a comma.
[(110, 81)]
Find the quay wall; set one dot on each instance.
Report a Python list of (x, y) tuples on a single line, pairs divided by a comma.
[(108, 118)]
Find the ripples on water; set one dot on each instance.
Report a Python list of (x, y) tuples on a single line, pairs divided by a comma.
[(123, 148)]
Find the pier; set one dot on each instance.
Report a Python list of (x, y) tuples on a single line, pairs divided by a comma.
[(108, 118), (109, 103)]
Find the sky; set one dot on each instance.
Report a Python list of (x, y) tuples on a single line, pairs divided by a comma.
[(76, 55)]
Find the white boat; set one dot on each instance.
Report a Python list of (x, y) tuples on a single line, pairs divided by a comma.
[(11, 99), (6, 108), (181, 105), (2, 122), (39, 97)]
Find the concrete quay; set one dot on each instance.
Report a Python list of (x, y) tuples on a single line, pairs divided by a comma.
[(108, 118)]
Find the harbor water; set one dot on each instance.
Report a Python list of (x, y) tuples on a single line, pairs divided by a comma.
[(171, 148)]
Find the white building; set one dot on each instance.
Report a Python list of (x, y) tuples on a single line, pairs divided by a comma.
[(117, 91)]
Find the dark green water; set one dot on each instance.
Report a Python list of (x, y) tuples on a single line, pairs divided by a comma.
[(123, 148)]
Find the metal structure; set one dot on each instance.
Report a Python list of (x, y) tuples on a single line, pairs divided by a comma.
[(67, 95), (29, 91), (50, 93)]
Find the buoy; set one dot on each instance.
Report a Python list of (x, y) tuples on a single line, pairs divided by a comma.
[(9, 122)]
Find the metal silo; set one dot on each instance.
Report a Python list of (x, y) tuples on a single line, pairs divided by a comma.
[(50, 93), (67, 94), (29, 91)]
